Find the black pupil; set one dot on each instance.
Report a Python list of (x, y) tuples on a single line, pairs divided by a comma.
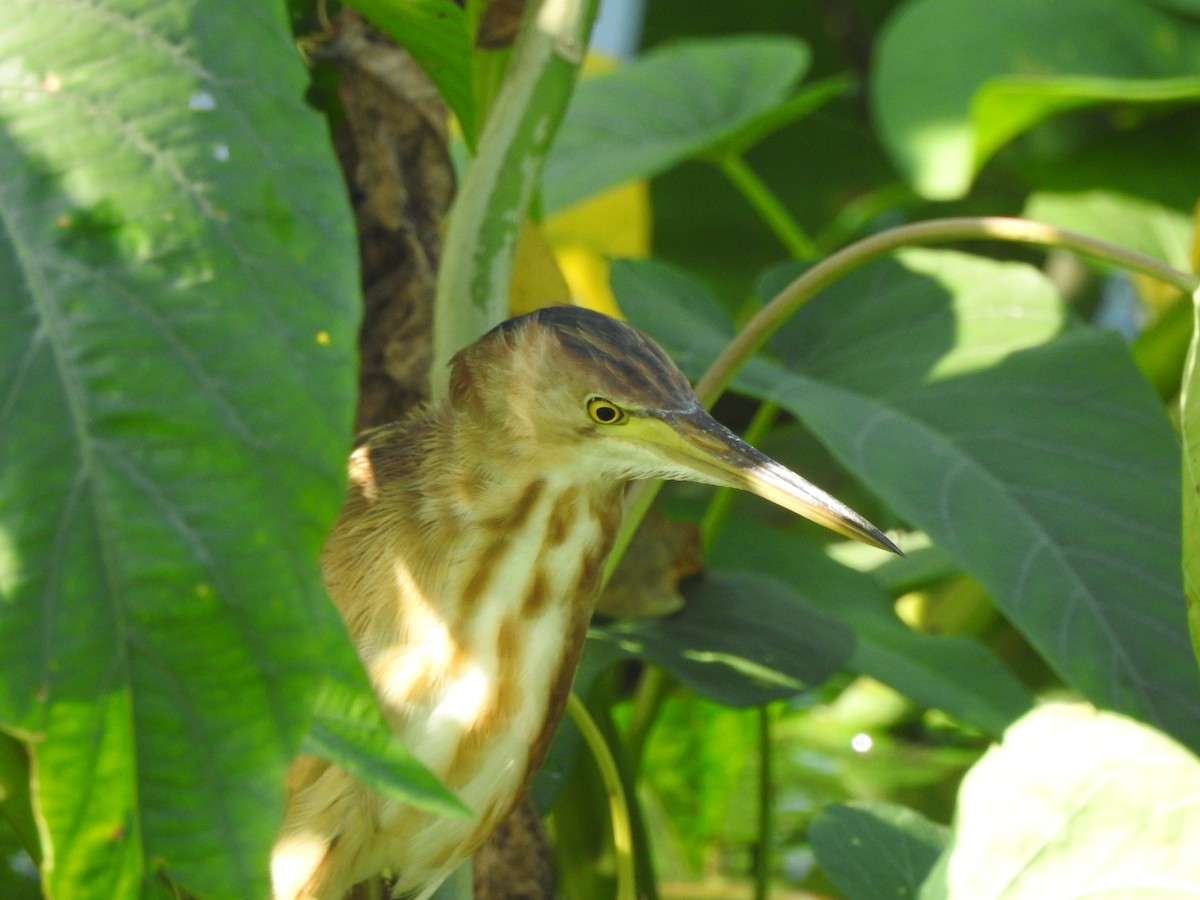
[(605, 413)]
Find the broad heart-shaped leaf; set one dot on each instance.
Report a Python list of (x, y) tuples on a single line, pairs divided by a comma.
[(957, 675), (674, 103), (956, 79), (435, 33), (742, 639), (177, 355), (1190, 430), (1044, 465), (872, 851), (1075, 803), (1047, 470)]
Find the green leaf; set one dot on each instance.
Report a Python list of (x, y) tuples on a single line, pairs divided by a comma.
[(1162, 348), (955, 674), (18, 878), (872, 851), (957, 79), (806, 101), (1148, 163), (676, 102), (1043, 464), (1075, 797), (15, 807), (1129, 222), (1189, 427), (1045, 467), (435, 33), (696, 763), (742, 639), (177, 367)]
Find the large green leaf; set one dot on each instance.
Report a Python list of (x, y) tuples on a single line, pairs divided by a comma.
[(1044, 465), (742, 639), (872, 851), (957, 79), (1075, 802), (676, 102), (177, 360)]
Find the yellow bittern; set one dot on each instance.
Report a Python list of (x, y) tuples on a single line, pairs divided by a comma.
[(466, 561)]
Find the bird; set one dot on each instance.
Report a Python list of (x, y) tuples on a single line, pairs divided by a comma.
[(466, 561)]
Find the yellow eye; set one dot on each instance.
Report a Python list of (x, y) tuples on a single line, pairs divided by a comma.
[(605, 412)]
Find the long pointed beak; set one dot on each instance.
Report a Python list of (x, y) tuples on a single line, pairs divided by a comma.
[(700, 444)]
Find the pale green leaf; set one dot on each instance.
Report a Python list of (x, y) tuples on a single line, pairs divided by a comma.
[(1075, 802), (1129, 222)]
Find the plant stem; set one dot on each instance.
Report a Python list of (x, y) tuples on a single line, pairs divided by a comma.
[(492, 203), (940, 231), (647, 700), (618, 805), (766, 815), (767, 205)]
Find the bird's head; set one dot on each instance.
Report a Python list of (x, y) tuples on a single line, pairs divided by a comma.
[(585, 391)]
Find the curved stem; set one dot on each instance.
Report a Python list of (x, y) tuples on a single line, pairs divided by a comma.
[(618, 806), (939, 231)]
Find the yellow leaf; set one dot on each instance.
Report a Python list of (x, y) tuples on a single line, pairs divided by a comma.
[(614, 223), (537, 280)]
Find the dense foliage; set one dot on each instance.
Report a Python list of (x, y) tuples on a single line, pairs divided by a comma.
[(178, 311)]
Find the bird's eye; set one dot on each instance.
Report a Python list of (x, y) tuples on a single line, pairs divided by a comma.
[(605, 412)]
